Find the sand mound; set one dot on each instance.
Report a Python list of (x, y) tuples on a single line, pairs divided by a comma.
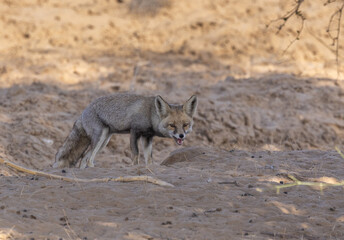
[(185, 155)]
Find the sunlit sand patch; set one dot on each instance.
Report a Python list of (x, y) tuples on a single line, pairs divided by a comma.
[(340, 219), (5, 118), (137, 236), (107, 224), (288, 208), (330, 180), (9, 233), (271, 147)]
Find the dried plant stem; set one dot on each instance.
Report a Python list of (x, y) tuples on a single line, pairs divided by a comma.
[(295, 11), (69, 179), (69, 227), (297, 182), (335, 38), (333, 28), (321, 185), (340, 152)]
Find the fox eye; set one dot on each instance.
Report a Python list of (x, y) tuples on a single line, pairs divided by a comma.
[(171, 125), (185, 125)]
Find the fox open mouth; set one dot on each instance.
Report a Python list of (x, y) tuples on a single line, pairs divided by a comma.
[(179, 141)]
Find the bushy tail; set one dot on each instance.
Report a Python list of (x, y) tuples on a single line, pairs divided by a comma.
[(73, 147)]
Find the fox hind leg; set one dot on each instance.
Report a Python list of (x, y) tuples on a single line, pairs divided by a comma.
[(97, 143), (83, 162), (106, 141), (147, 149), (95, 148)]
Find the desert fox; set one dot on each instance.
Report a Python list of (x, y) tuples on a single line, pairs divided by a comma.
[(140, 116)]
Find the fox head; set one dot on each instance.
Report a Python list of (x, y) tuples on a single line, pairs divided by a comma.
[(176, 120)]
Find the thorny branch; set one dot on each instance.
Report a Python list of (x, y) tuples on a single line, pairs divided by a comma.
[(333, 28), (295, 11), (337, 15)]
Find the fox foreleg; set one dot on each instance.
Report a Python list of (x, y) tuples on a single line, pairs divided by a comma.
[(134, 137), (147, 149)]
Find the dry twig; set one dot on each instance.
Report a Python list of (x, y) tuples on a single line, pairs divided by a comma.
[(333, 28), (295, 11), (321, 185), (69, 179), (296, 182), (337, 15)]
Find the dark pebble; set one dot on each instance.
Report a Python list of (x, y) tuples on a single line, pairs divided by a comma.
[(63, 171), (166, 223), (281, 182), (246, 194)]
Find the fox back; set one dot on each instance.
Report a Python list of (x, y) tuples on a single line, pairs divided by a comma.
[(121, 113)]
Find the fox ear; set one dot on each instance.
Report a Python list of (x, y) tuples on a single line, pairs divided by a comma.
[(162, 107), (190, 106)]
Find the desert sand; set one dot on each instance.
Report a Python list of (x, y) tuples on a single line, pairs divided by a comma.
[(268, 115)]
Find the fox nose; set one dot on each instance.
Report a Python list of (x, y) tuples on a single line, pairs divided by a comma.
[(181, 135)]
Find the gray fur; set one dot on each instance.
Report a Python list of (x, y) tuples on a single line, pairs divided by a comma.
[(73, 147), (137, 115)]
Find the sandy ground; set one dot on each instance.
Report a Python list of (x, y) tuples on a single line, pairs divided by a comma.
[(263, 116)]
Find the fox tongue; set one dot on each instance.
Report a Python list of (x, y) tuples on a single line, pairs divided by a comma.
[(180, 141)]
